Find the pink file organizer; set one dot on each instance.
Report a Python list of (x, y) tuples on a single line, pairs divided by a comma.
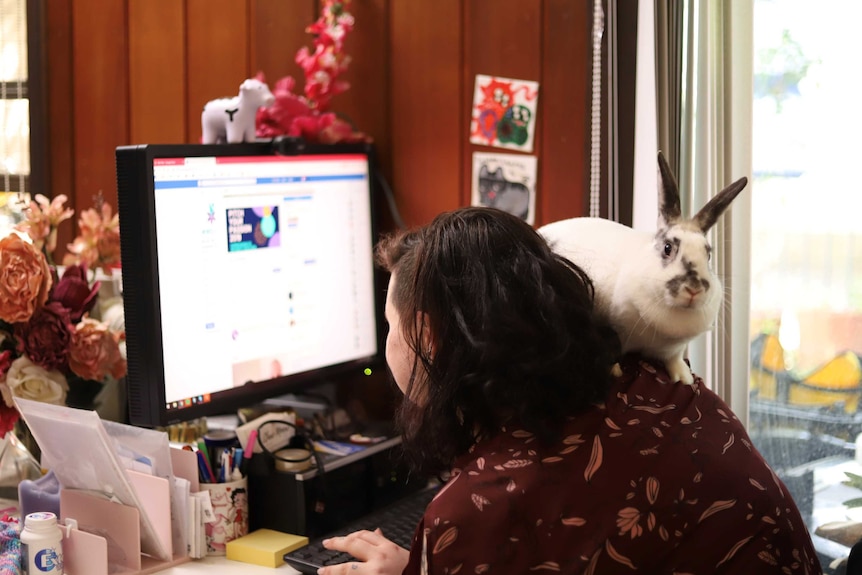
[(103, 536), (116, 519)]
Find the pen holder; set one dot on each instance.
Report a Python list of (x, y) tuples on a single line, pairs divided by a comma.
[(230, 508)]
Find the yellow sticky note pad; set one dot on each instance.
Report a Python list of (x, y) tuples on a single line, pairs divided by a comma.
[(264, 547)]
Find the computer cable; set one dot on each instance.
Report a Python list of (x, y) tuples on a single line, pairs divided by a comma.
[(390, 200)]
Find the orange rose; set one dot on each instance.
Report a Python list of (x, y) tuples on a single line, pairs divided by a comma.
[(95, 351), (25, 279)]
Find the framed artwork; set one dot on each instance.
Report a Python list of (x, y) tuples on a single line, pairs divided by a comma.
[(504, 113), (506, 182)]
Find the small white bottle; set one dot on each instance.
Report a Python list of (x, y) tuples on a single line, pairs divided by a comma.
[(42, 545)]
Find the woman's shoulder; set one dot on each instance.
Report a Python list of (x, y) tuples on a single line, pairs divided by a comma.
[(645, 386)]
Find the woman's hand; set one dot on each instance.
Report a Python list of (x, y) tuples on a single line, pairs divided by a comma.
[(376, 554)]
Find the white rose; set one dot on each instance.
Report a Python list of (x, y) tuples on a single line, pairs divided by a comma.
[(6, 394), (27, 380)]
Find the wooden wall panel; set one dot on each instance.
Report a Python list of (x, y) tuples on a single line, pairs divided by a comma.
[(565, 100), (427, 92), (366, 104), (60, 121), (139, 71), (100, 84), (277, 32), (157, 71), (217, 33), (502, 38)]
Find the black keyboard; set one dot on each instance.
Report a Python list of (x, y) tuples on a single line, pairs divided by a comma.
[(397, 521)]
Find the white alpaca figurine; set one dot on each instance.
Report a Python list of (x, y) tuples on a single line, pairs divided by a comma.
[(232, 120)]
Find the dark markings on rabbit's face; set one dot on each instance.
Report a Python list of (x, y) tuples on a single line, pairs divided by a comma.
[(667, 247), (690, 279)]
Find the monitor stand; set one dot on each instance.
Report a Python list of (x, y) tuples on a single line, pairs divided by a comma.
[(298, 402), (306, 405)]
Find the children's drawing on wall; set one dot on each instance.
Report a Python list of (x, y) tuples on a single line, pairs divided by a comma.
[(504, 113), (506, 182)]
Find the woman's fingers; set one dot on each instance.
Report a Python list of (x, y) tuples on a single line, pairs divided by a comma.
[(371, 549), (356, 541), (351, 568)]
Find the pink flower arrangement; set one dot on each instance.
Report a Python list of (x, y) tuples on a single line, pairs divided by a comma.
[(308, 116), (43, 218), (48, 342), (98, 245)]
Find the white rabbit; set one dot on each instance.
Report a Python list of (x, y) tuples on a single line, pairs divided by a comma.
[(657, 289)]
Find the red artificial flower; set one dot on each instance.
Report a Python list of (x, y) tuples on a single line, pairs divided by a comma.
[(45, 339), (5, 362), (75, 293), (337, 130), (306, 116), (8, 414)]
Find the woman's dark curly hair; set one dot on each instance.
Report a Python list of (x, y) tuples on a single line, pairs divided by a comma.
[(512, 327)]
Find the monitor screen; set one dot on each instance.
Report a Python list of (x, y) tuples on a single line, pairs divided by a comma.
[(246, 273)]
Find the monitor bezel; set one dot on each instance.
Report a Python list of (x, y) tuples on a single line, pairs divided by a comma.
[(145, 380)]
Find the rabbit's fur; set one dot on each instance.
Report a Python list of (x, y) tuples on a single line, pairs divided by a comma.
[(658, 289)]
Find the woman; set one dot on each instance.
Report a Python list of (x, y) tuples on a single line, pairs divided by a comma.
[(555, 465)]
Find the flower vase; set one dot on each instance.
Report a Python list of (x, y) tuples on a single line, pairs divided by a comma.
[(107, 398), (109, 307), (17, 460)]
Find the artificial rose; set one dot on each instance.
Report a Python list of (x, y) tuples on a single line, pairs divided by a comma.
[(46, 337), (8, 416), (336, 130), (27, 380), (25, 279), (75, 293), (7, 396), (95, 351), (5, 362)]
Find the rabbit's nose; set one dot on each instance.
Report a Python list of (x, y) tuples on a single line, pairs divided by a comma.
[(693, 291)]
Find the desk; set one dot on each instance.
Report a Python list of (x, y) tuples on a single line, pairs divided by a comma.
[(222, 566)]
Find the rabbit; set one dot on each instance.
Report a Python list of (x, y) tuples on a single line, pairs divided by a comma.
[(657, 290)]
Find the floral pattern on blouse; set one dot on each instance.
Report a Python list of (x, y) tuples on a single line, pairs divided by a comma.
[(661, 478)]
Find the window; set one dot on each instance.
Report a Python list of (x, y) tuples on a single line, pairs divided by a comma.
[(14, 110), (806, 250)]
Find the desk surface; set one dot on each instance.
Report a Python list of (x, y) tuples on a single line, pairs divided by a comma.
[(222, 566)]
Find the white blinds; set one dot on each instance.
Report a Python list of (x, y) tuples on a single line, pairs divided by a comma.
[(14, 105)]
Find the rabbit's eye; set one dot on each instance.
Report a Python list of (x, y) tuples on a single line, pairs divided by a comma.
[(668, 248)]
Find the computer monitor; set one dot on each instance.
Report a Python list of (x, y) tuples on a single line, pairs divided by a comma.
[(247, 273)]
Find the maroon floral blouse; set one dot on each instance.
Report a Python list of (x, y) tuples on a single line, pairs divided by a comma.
[(662, 478)]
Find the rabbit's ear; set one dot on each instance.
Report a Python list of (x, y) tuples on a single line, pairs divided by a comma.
[(668, 199), (709, 214)]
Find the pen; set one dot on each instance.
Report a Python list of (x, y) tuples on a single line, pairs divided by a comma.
[(224, 467), (202, 447), (248, 451), (206, 471), (237, 457)]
